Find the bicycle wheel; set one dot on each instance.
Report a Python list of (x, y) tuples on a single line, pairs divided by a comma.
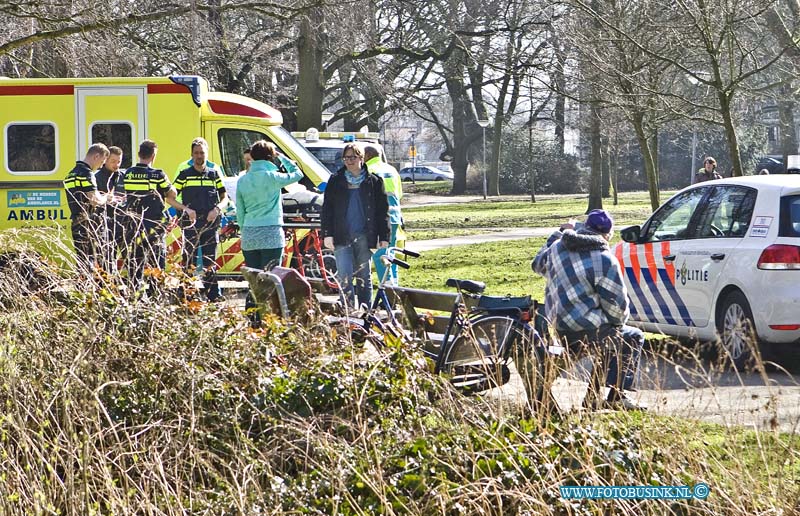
[(312, 264), (478, 358)]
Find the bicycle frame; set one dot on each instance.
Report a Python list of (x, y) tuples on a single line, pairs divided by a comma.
[(296, 252)]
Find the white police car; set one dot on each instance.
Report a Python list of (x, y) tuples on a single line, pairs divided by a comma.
[(719, 257)]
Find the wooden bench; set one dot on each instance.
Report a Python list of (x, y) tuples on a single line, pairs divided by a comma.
[(425, 313)]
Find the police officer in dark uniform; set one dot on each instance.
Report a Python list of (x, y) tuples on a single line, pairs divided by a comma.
[(82, 198), (201, 189), (110, 217), (146, 189)]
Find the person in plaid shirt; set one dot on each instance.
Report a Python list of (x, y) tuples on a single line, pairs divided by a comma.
[(587, 303)]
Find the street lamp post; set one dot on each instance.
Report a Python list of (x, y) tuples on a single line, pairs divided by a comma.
[(694, 153), (326, 117), (695, 79), (484, 124), (413, 156)]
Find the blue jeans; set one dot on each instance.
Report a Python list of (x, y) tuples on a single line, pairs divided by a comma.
[(380, 269), (353, 270), (623, 345)]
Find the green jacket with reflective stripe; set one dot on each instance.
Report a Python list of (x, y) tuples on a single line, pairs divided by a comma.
[(392, 184)]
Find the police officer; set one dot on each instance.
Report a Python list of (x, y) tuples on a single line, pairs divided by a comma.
[(82, 198), (394, 192), (110, 216), (146, 189), (201, 190)]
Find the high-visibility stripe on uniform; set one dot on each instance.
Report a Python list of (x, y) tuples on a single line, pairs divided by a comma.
[(77, 182), (197, 181)]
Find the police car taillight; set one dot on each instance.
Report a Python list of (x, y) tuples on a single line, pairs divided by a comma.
[(780, 257)]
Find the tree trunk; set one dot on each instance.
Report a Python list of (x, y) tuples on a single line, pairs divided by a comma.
[(613, 165), (605, 178), (310, 84), (595, 184), (730, 133), (462, 117), (531, 160), (788, 133), (654, 157), (559, 109), (647, 159)]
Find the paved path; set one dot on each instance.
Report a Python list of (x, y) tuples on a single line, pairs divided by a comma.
[(504, 234), (692, 389)]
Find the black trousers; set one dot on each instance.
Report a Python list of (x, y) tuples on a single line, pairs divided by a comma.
[(203, 236), (83, 238)]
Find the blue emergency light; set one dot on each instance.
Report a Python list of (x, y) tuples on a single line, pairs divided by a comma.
[(349, 138)]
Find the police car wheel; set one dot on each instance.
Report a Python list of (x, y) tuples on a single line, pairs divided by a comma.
[(736, 329)]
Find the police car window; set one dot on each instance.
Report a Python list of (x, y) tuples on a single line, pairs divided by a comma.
[(790, 216), (119, 134), (31, 148), (726, 213), (671, 221), (232, 144)]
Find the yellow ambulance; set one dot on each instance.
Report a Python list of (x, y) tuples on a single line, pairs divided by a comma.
[(49, 123)]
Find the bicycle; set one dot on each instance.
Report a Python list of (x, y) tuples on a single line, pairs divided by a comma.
[(483, 333), (371, 325)]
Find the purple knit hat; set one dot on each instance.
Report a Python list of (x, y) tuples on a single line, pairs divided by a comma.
[(599, 221)]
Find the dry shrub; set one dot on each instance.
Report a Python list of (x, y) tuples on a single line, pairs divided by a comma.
[(113, 406)]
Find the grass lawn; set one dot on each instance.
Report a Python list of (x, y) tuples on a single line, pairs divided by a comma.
[(549, 211), (503, 266)]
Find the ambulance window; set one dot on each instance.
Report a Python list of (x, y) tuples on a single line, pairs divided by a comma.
[(232, 144), (727, 212), (119, 134), (671, 221), (31, 148)]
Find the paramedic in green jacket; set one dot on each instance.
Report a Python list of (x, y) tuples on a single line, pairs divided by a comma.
[(259, 212), (394, 192)]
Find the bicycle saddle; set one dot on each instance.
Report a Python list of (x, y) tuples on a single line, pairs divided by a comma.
[(473, 287)]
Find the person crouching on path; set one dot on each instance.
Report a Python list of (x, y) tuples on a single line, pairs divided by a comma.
[(587, 302)]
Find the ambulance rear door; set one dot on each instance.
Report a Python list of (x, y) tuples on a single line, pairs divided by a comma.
[(113, 115)]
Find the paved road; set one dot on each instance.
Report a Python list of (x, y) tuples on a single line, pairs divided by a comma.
[(503, 234), (692, 389)]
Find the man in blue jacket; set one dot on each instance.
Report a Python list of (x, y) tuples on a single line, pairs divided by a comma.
[(586, 300)]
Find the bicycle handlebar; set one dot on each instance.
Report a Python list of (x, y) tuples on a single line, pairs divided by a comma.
[(407, 252), (400, 263)]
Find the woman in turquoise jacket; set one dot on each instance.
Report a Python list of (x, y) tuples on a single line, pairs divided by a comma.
[(258, 204)]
